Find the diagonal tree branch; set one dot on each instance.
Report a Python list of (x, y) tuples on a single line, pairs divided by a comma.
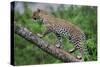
[(56, 52)]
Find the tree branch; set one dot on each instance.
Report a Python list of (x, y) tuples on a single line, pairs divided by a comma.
[(54, 51)]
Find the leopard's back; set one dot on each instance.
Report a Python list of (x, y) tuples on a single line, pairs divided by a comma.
[(67, 29), (70, 31)]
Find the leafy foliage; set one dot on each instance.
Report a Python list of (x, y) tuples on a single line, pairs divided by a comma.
[(83, 16)]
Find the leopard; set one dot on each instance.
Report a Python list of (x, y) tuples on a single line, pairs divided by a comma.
[(61, 27)]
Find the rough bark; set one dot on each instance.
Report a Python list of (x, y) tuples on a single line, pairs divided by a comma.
[(52, 50)]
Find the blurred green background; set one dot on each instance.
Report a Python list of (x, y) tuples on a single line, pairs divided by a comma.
[(84, 17)]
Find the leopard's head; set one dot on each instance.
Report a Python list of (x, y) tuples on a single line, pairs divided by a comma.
[(39, 14), (35, 15)]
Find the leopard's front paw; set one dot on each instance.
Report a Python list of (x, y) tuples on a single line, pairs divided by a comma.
[(58, 46), (72, 50), (40, 35), (79, 57)]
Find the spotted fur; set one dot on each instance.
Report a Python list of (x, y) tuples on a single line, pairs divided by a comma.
[(61, 27)]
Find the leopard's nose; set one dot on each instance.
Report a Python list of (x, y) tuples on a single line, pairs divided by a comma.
[(34, 18)]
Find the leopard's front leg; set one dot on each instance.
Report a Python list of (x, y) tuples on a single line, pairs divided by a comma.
[(58, 41), (44, 33)]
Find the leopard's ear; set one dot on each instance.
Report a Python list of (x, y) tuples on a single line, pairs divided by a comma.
[(38, 10)]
